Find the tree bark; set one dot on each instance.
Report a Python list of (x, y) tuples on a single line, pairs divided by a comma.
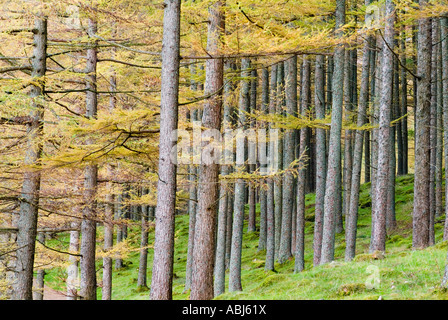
[(162, 273), (270, 216), (238, 217), (278, 188), (88, 224), (143, 259), (72, 270), (288, 178), (384, 150), (334, 153), (444, 36), (27, 222), (263, 158), (299, 264), (352, 215), (321, 165), (223, 210), (421, 214)]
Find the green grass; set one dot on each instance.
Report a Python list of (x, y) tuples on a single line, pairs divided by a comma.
[(402, 274)]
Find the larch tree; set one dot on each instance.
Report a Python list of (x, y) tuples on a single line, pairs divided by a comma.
[(384, 156), (162, 275), (208, 191), (421, 214), (444, 49), (270, 207), (29, 204), (241, 143), (88, 284), (301, 180), (285, 250), (334, 149), (321, 164), (352, 214)]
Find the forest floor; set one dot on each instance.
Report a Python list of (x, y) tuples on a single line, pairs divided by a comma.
[(402, 274)]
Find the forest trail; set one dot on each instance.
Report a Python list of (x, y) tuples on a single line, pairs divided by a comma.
[(51, 294)]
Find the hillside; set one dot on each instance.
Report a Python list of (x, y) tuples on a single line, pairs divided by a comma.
[(402, 274)]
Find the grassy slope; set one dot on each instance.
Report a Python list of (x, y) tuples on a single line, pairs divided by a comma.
[(403, 274)]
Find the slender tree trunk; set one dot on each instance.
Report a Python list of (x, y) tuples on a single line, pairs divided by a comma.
[(375, 132), (193, 174), (223, 210), (119, 215), (27, 222), (270, 216), (395, 135), (108, 244), (288, 178), (88, 224), (106, 290), (334, 153), (229, 222), (252, 153), (321, 164), (208, 186), (433, 135), (384, 132), (278, 188), (263, 159), (72, 270), (162, 272), (143, 259), (238, 217), (439, 124), (301, 180), (352, 215), (220, 255), (348, 160), (421, 214), (444, 37), (404, 107)]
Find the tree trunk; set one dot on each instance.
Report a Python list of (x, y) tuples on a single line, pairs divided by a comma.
[(334, 153), (270, 216), (299, 264), (238, 217), (223, 210), (252, 153), (162, 273), (72, 270), (193, 190), (384, 150), (352, 215), (404, 107), (278, 162), (288, 178), (119, 215), (263, 159), (444, 36), (106, 290), (27, 222), (143, 260), (421, 214), (88, 224), (321, 164)]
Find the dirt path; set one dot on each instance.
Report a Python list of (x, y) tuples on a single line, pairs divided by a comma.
[(51, 294)]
